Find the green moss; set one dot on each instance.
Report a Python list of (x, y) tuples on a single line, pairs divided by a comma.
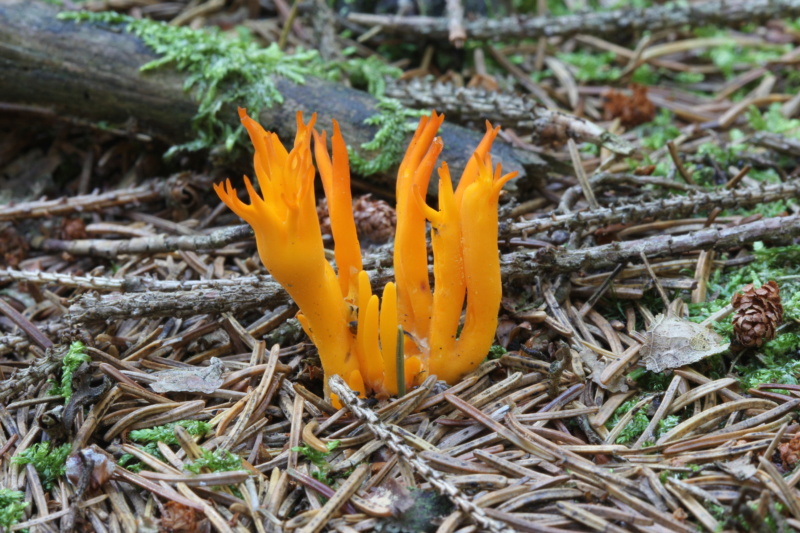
[(76, 355), (368, 74), (632, 429), (166, 433), (49, 462), (775, 361), (656, 133), (12, 507), (318, 459), (646, 75), (592, 67), (636, 426), (773, 120), (728, 56), (150, 437), (650, 381), (388, 145), (689, 78), (216, 461), (497, 351), (667, 423), (222, 71)]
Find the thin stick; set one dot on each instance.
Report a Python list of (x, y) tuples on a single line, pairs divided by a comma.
[(588, 193), (287, 25), (676, 158), (601, 290), (25, 325), (738, 177), (652, 273)]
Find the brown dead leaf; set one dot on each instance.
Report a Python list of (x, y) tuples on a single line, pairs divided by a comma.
[(673, 342), (590, 359), (90, 468), (177, 518), (632, 110), (205, 379), (790, 451), (741, 468)]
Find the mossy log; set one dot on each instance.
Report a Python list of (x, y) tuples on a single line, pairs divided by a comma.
[(92, 72)]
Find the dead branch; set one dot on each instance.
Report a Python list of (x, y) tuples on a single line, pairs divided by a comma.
[(35, 374), (254, 292), (146, 245), (239, 297), (146, 192), (777, 142), (560, 260), (519, 112), (664, 209), (619, 22)]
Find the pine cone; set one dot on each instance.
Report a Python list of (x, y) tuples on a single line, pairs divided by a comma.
[(375, 219), (758, 313), (324, 217)]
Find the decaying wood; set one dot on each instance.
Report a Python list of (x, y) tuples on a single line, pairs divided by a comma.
[(45, 63), (90, 202)]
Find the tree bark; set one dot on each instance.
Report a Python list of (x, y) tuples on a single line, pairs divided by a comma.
[(92, 72)]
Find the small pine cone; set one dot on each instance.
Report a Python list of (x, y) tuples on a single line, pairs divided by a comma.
[(758, 314), (375, 219)]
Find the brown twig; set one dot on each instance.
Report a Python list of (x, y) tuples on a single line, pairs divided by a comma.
[(519, 112), (455, 23), (664, 209), (146, 245), (559, 260)]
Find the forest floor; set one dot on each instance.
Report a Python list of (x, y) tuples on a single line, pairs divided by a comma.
[(629, 388)]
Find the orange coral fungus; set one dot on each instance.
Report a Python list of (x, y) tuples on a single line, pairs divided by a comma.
[(464, 237)]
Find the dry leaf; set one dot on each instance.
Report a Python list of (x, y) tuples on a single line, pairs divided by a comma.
[(740, 468), (205, 379), (673, 342), (90, 467), (790, 451), (632, 110)]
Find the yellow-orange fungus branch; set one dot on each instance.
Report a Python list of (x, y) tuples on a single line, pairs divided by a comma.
[(335, 178), (410, 248), (464, 238)]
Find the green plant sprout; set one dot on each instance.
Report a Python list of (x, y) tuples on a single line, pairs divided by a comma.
[(76, 355), (216, 461), (319, 459)]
